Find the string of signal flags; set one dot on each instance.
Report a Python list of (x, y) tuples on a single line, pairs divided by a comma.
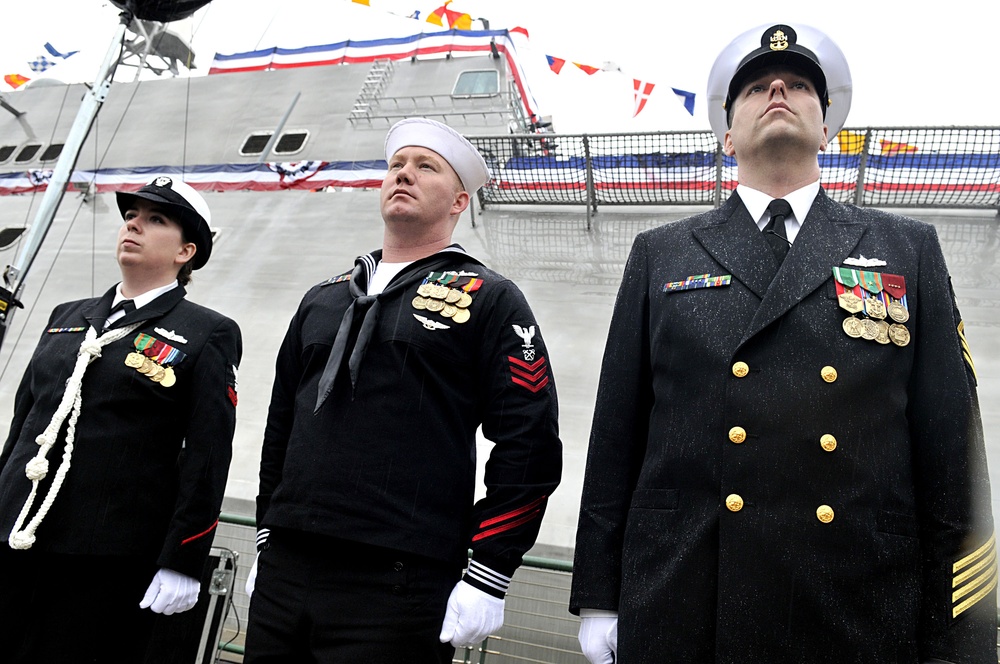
[(456, 20)]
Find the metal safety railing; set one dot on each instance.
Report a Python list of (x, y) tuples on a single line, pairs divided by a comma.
[(948, 167)]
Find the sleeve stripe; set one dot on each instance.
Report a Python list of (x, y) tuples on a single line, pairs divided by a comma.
[(983, 592), (973, 571), (988, 575), (978, 553), (201, 534), (507, 526), (510, 515), (486, 576)]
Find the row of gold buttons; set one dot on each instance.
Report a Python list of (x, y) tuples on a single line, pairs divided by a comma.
[(734, 503), (742, 369)]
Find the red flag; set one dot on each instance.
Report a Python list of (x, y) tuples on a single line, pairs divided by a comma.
[(555, 64), (521, 30), (438, 14), (642, 92), (15, 80), (893, 148), (458, 20), (587, 68)]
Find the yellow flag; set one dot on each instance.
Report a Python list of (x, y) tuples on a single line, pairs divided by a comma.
[(851, 142)]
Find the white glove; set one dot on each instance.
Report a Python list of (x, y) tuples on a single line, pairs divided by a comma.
[(252, 576), (171, 592), (472, 616), (599, 635)]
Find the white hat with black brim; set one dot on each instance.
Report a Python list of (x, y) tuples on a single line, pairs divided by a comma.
[(185, 203), (800, 46)]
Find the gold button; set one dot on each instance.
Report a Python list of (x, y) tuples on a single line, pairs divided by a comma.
[(828, 442), (740, 369), (734, 502), (824, 513), (829, 374), (737, 435)]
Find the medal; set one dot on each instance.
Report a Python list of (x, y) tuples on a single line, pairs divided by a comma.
[(464, 301), (898, 312), (851, 302), (883, 332), (158, 375), (895, 288), (435, 305), (148, 366), (168, 377), (899, 335), (852, 327), (449, 310), (461, 316), (134, 360), (419, 302), (874, 307), (425, 290), (869, 329), (846, 277), (453, 296)]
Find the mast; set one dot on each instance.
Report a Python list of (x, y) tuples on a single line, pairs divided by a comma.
[(14, 275)]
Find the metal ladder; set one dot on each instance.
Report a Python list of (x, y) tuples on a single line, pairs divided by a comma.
[(367, 103)]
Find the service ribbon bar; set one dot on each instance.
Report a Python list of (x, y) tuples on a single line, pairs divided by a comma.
[(698, 281)]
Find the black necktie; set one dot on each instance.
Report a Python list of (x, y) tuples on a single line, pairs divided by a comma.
[(128, 306), (774, 232), (367, 306)]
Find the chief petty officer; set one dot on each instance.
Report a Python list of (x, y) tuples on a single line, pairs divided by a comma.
[(787, 460)]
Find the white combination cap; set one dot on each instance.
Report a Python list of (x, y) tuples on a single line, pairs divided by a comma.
[(800, 46), (185, 203), (452, 146)]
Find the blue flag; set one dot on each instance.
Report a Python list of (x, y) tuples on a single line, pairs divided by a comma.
[(688, 98), (52, 51)]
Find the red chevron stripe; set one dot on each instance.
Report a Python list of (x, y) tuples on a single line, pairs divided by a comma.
[(507, 526), (530, 367), (528, 386), (511, 514), (533, 377)]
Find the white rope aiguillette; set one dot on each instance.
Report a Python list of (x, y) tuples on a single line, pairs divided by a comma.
[(70, 405)]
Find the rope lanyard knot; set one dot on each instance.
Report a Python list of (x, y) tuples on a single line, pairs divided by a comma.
[(69, 406)]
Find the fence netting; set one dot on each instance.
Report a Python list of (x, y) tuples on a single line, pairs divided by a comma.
[(877, 166)]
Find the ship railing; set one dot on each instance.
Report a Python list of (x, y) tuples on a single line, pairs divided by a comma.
[(941, 167)]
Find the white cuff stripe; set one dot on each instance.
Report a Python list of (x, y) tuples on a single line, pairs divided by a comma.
[(487, 576)]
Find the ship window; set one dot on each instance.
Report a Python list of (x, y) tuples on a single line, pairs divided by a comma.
[(479, 83), (291, 142), (6, 151), (255, 143), (27, 153), (52, 152)]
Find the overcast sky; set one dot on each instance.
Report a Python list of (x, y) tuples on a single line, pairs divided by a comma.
[(912, 65)]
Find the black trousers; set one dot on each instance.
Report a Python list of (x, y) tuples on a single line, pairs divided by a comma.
[(57, 609), (327, 600)]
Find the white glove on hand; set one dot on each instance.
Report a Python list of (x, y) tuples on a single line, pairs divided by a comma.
[(252, 576), (171, 592), (599, 636), (472, 616)]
